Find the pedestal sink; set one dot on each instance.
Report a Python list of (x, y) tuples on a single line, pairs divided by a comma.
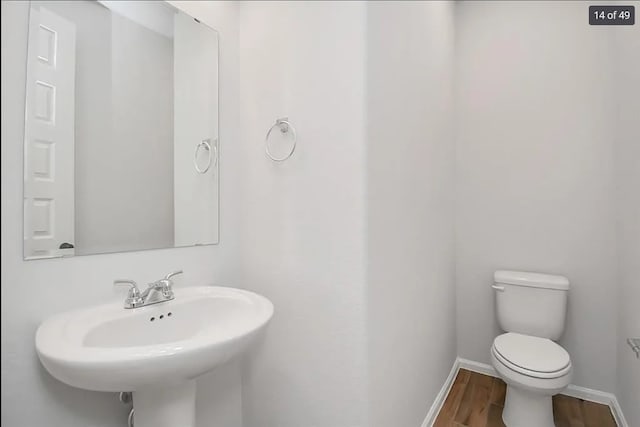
[(157, 351)]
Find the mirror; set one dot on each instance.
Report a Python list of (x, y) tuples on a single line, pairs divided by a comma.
[(121, 129)]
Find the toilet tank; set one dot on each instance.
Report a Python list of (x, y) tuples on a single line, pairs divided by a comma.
[(531, 303)]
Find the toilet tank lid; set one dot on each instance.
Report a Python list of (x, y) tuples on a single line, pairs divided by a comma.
[(534, 280)]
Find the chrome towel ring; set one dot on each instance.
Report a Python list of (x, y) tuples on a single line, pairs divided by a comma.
[(285, 126), (212, 153)]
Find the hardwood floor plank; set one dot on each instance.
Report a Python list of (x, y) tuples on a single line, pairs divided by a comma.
[(494, 418), (473, 409), (561, 411), (450, 406), (464, 408), (463, 376), (477, 400), (498, 392), (572, 410), (482, 394), (449, 423), (597, 415)]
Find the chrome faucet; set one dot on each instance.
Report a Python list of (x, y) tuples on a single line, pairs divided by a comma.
[(158, 291)]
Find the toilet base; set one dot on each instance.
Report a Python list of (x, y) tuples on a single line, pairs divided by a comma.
[(524, 408)]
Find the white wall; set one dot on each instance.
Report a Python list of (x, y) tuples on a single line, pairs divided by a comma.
[(626, 45), (535, 173), (33, 290), (410, 186), (305, 243), (303, 220)]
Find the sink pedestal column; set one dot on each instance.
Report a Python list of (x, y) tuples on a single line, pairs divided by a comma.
[(165, 405)]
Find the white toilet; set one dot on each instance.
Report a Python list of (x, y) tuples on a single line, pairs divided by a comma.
[(531, 308)]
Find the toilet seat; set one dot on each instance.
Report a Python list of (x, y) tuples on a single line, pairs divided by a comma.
[(531, 356)]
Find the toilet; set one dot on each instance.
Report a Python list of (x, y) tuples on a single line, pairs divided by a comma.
[(531, 309)]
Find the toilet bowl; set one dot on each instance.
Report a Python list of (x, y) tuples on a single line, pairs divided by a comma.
[(531, 309), (534, 369)]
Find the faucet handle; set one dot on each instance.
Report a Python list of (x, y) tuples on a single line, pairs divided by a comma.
[(166, 285), (133, 285), (170, 275), (134, 298)]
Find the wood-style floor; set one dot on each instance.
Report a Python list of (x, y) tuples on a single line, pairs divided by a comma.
[(476, 400)]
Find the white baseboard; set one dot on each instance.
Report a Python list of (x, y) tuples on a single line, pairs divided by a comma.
[(583, 393), (616, 410), (442, 396), (598, 396), (482, 368)]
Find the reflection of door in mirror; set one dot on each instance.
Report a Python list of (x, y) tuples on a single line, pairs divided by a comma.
[(49, 136)]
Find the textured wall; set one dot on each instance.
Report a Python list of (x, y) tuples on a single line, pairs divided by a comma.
[(410, 188), (303, 219), (535, 172), (626, 45)]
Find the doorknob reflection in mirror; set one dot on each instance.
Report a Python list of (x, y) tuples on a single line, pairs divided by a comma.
[(212, 155)]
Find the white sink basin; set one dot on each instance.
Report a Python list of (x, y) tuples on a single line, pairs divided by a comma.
[(109, 348)]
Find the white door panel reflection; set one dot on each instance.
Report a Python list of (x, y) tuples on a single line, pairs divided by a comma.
[(49, 136)]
